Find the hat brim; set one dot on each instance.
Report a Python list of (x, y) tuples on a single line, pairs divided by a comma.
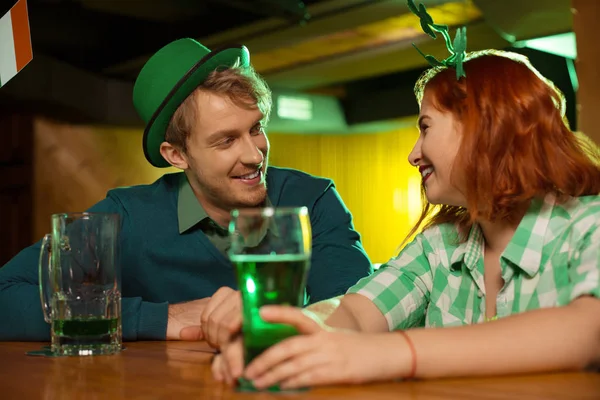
[(154, 134)]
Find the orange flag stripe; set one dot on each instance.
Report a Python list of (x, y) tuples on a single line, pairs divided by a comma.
[(21, 35)]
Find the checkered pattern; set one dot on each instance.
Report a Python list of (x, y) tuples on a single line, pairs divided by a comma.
[(553, 258)]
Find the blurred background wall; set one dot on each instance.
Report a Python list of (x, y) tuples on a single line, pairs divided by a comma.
[(342, 72), (76, 165)]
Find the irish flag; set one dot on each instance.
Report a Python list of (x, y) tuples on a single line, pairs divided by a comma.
[(15, 42)]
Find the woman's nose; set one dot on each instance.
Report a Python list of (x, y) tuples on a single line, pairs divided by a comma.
[(415, 155)]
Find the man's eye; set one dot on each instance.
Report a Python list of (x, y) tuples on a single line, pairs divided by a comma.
[(258, 129)]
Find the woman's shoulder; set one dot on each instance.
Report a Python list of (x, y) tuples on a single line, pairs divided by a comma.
[(441, 235), (578, 215), (579, 207)]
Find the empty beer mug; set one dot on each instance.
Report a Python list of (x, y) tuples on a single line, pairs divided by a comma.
[(80, 284)]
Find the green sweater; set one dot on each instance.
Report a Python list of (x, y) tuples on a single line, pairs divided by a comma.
[(161, 266)]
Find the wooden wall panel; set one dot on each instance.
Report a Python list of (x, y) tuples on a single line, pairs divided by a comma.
[(586, 14), (76, 165), (371, 173), (16, 182)]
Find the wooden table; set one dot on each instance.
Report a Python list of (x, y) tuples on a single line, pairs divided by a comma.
[(180, 370)]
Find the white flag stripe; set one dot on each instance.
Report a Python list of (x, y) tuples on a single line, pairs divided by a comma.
[(8, 60)]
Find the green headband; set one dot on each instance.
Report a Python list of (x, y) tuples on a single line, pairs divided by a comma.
[(457, 48), (458, 56)]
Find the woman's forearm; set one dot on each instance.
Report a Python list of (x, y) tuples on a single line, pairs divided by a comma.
[(325, 308), (333, 313), (352, 311), (565, 338), (358, 313)]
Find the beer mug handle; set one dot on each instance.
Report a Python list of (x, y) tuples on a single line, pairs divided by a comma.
[(45, 266)]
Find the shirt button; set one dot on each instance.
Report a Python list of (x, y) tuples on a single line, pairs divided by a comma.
[(479, 293)]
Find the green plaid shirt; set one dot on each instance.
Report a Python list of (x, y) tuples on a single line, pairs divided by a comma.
[(553, 258)]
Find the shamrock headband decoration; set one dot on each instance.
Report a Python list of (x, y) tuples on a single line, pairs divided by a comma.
[(457, 48)]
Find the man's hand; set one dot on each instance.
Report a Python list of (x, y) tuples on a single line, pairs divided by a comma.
[(222, 317), (213, 319), (229, 365), (184, 320)]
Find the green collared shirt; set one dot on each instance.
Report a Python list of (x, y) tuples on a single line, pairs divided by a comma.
[(553, 258), (190, 213)]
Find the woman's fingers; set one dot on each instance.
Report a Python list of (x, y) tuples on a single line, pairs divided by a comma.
[(288, 349), (303, 320), (290, 368)]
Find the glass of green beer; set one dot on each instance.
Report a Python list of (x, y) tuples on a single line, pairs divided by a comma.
[(80, 284), (271, 249)]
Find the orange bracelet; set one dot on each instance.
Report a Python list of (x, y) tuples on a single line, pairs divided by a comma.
[(413, 352)]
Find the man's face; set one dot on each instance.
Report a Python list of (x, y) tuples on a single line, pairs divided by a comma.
[(227, 153)]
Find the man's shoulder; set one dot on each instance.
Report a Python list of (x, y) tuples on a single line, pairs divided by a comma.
[(162, 187), (291, 187), (280, 175)]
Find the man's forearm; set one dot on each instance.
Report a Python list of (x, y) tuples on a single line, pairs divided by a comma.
[(143, 320), (21, 314), (184, 320)]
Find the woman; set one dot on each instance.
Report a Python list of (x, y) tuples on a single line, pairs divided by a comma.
[(505, 276)]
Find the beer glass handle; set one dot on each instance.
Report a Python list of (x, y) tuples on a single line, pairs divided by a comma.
[(44, 277)]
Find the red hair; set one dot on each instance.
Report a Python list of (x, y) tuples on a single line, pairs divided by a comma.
[(515, 143)]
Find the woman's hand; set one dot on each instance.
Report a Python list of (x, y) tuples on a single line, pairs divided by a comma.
[(229, 365), (321, 356)]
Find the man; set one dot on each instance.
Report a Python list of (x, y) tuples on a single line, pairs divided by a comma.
[(205, 114)]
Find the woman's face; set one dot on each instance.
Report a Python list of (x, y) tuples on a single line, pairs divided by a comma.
[(435, 152)]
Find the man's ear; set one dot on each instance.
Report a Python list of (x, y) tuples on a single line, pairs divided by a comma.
[(174, 155)]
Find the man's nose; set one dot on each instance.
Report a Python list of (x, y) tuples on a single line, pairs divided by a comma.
[(252, 153)]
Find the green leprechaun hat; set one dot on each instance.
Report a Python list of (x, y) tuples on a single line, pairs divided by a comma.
[(168, 78)]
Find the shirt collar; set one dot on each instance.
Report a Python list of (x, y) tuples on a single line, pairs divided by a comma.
[(526, 246), (524, 249), (474, 247), (189, 210)]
